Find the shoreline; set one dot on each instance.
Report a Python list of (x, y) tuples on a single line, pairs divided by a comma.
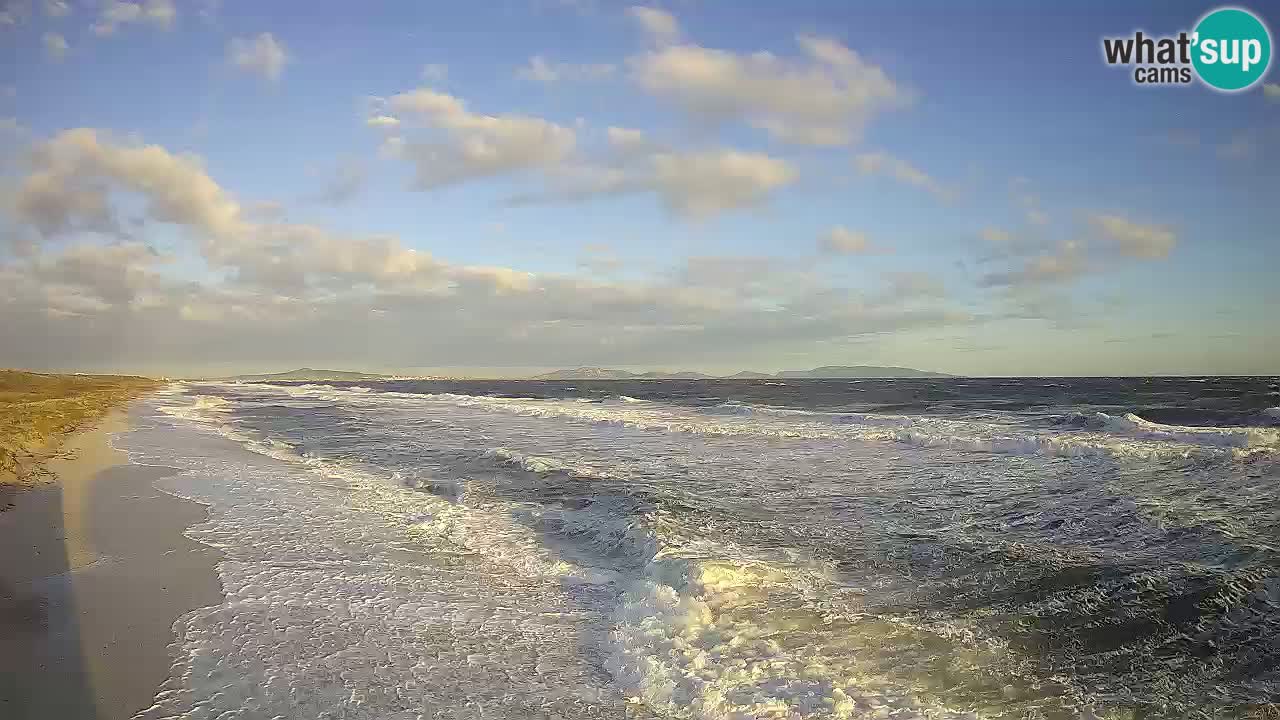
[(98, 571)]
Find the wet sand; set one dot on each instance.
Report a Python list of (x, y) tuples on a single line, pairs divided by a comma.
[(94, 570)]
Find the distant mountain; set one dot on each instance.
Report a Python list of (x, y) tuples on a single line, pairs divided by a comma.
[(681, 375), (586, 373), (825, 372), (860, 371), (305, 374)]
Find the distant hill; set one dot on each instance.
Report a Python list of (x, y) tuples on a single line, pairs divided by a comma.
[(305, 374), (586, 373), (859, 371), (827, 372)]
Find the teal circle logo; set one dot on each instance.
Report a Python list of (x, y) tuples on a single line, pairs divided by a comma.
[(1231, 49)]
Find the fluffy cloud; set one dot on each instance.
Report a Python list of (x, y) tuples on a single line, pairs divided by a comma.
[(881, 163), (825, 99), (546, 71), (692, 184), (705, 183), (277, 292), (71, 175), (1110, 240), (115, 13), (1065, 262), (660, 25), (841, 240), (1137, 240), (55, 46), (262, 55), (475, 146)]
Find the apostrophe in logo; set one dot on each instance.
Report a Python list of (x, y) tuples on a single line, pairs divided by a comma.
[(1230, 50)]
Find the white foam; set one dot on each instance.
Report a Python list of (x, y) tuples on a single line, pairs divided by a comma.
[(1128, 437), (363, 598)]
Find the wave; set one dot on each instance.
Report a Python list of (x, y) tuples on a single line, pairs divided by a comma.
[(1107, 436), (540, 464)]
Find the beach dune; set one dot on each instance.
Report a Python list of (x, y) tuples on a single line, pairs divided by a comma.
[(94, 570)]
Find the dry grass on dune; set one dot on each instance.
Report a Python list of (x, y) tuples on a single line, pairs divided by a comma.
[(36, 410)]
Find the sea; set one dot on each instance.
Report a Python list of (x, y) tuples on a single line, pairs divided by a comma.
[(961, 548)]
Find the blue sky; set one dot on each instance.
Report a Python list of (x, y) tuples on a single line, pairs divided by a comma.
[(952, 188)]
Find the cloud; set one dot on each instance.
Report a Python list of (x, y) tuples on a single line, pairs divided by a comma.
[(626, 139), (881, 163), (825, 99), (1136, 240), (693, 185), (660, 25), (475, 146), (1065, 262), (1271, 91), (345, 184), (115, 13), (435, 72), (270, 292), (996, 236), (68, 185), (262, 55), (701, 184), (55, 46), (383, 121), (544, 71), (1023, 197), (56, 8), (915, 284), (14, 12), (840, 240), (1111, 239)]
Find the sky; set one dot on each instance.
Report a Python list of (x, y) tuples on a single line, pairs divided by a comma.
[(498, 188)]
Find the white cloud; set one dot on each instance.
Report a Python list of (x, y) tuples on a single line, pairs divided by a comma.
[(56, 8), (383, 121), (435, 72), (996, 236), (1065, 262), (546, 71), (660, 25), (701, 184), (55, 46), (14, 12), (626, 139), (262, 55), (475, 146), (285, 292), (694, 185), (1134, 239), (826, 99), (66, 188), (345, 184), (115, 13), (841, 240), (881, 163)]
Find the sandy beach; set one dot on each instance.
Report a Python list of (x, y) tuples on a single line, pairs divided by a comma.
[(94, 571)]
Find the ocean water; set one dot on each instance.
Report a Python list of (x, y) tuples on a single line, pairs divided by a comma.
[(959, 548)]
